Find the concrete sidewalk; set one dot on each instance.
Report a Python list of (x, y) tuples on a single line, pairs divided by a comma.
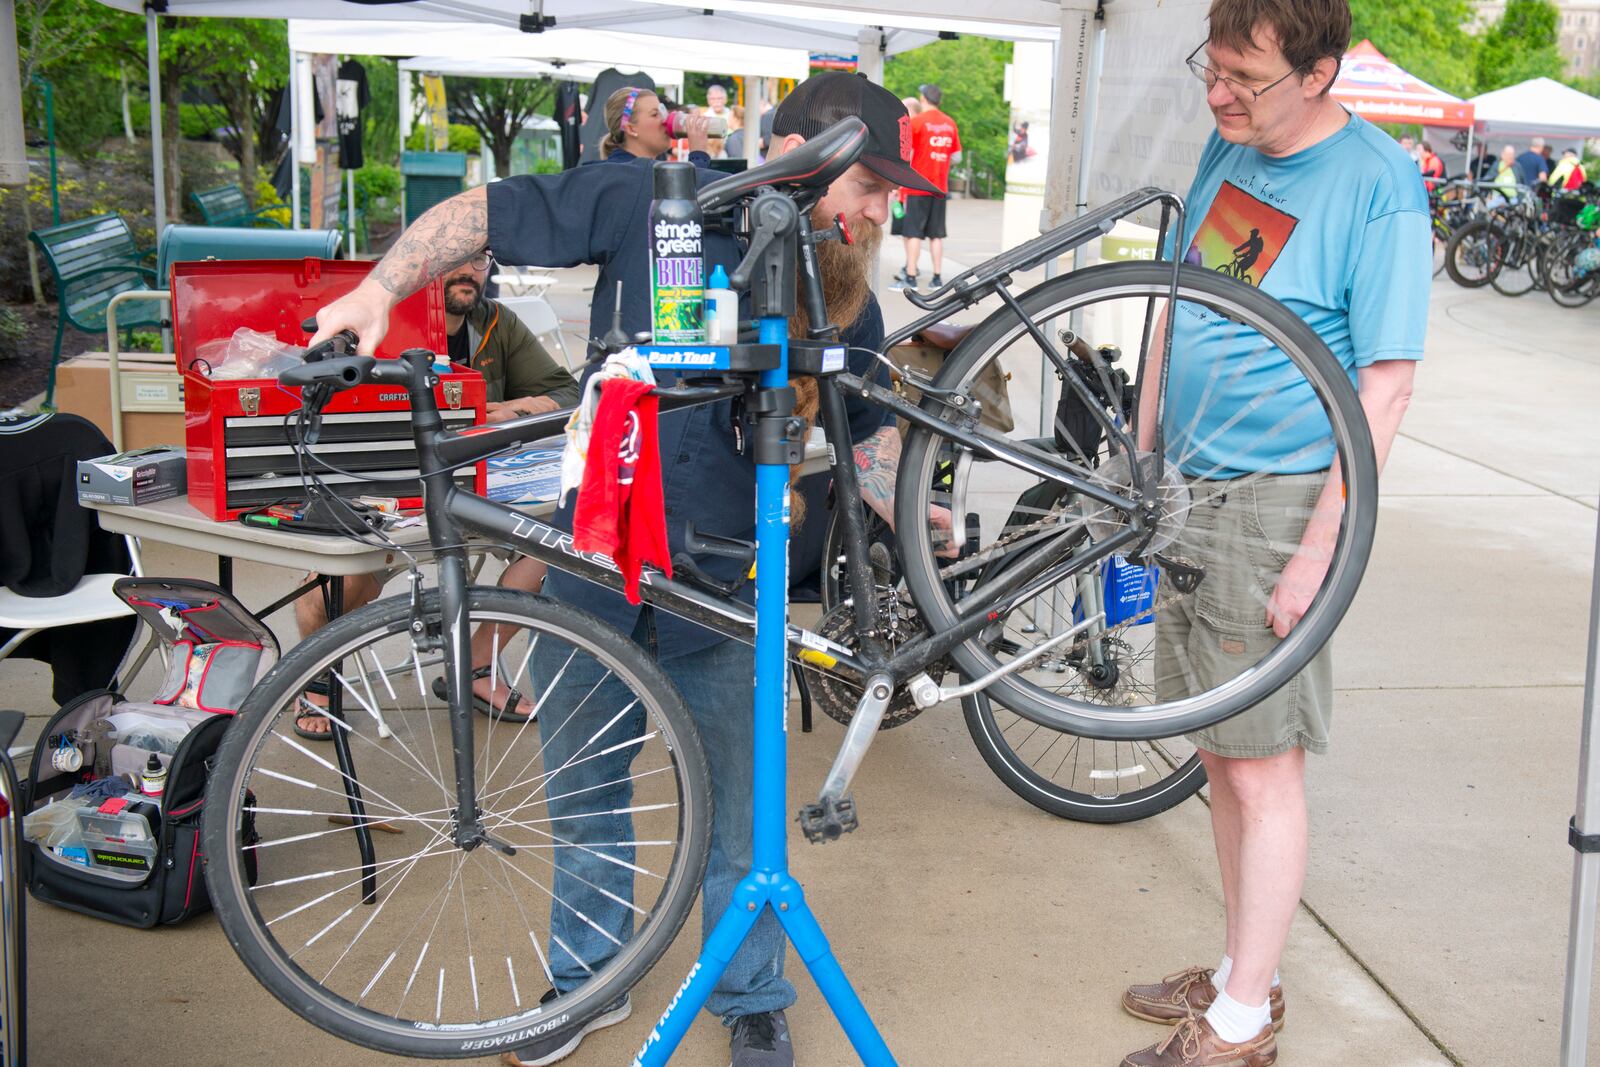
[(980, 931)]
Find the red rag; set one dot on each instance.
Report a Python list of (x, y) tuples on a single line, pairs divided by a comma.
[(620, 510)]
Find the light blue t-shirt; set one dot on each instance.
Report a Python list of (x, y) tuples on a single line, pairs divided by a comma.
[(1340, 234)]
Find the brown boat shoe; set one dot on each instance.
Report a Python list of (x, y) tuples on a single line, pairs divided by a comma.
[(1192, 1043), (1189, 992)]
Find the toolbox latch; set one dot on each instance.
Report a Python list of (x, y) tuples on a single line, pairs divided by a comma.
[(250, 400), (452, 394)]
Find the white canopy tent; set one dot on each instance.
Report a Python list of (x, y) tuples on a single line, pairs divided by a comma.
[(452, 66), (1540, 106)]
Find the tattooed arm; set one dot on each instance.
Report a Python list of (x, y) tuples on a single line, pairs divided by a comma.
[(447, 235), (877, 462)]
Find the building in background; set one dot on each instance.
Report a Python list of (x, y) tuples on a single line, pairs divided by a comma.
[(1579, 30)]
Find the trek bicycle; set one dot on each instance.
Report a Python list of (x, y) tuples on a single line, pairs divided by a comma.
[(424, 901)]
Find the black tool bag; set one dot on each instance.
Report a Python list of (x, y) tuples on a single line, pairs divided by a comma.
[(135, 859)]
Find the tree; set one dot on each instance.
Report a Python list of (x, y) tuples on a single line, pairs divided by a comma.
[(1426, 37), (1522, 44), (971, 73), (498, 108)]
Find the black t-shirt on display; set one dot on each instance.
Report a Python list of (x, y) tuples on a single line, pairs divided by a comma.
[(352, 98)]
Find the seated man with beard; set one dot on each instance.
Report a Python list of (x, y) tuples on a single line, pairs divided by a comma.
[(520, 378), (599, 213)]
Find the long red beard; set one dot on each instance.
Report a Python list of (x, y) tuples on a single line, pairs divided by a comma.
[(846, 273)]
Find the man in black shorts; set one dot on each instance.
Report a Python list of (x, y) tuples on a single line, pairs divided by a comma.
[(935, 141)]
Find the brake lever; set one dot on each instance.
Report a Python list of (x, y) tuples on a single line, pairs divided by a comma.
[(342, 343)]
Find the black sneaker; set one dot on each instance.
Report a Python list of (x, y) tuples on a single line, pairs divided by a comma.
[(562, 1043), (903, 281), (762, 1040), (935, 282)]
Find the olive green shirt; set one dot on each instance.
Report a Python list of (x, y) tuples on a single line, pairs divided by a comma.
[(512, 361)]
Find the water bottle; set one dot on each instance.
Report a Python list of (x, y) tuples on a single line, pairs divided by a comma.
[(678, 124)]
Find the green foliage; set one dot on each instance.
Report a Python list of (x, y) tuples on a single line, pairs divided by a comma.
[(1426, 37), (378, 191), (462, 139), (87, 111), (498, 109), (267, 197), (144, 341), (971, 72), (547, 166), (1521, 45), (13, 328)]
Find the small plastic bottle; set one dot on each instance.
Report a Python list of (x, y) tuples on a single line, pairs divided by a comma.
[(722, 310), (154, 780)]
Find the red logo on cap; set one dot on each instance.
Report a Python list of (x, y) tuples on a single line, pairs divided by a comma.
[(905, 138)]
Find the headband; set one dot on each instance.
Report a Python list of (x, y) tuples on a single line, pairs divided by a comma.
[(627, 109)]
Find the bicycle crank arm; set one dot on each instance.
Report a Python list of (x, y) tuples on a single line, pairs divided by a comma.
[(834, 814), (925, 692)]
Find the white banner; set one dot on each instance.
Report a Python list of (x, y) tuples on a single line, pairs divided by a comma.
[(1152, 120)]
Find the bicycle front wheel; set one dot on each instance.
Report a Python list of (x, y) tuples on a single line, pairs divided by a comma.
[(598, 806), (1249, 440), (1475, 253)]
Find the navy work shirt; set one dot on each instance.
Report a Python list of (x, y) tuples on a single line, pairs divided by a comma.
[(599, 213)]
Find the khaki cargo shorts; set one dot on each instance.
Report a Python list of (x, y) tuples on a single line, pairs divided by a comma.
[(1243, 536)]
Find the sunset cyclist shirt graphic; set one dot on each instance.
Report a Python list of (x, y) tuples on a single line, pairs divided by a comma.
[(1339, 233), (1241, 236)]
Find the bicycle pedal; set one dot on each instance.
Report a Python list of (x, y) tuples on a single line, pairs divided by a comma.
[(828, 821)]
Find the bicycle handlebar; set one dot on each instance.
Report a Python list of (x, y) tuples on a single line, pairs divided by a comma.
[(345, 372)]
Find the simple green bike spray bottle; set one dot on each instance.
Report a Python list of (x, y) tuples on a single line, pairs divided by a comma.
[(677, 258)]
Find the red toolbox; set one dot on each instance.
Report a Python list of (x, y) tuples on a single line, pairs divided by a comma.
[(240, 432)]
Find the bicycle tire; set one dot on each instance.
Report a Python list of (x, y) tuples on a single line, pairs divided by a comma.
[(355, 637), (1181, 779), (1148, 282), (1519, 272), (1560, 256), (1475, 253)]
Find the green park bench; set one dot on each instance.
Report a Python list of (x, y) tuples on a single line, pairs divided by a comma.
[(92, 261), (226, 206)]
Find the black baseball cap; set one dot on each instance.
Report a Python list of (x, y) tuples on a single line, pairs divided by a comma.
[(823, 99)]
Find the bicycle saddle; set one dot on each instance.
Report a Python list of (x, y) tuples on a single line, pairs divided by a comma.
[(814, 165)]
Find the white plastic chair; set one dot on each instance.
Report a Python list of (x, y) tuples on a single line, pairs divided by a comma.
[(541, 319), (91, 600)]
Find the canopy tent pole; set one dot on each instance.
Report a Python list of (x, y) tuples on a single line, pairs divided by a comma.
[(294, 139), (1472, 171), (1585, 840), (13, 150), (152, 37), (755, 90), (870, 47)]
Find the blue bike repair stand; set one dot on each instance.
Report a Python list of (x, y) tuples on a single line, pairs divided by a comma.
[(769, 883)]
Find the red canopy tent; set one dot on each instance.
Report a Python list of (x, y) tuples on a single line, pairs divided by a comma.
[(1372, 86)]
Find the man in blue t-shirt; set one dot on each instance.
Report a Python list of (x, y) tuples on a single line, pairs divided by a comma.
[(1324, 212), (1532, 167)]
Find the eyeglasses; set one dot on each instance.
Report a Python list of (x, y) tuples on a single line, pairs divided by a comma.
[(480, 261), (1237, 88)]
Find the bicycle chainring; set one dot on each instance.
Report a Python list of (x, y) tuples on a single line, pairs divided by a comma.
[(898, 622)]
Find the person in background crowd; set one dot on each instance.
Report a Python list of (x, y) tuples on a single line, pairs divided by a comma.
[(1432, 167), (1354, 264), (1568, 174), (1408, 145), (1532, 169), (717, 100), (897, 200), (1507, 176), (520, 378), (935, 141), (636, 128)]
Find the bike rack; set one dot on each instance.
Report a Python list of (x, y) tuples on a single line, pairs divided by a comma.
[(776, 443)]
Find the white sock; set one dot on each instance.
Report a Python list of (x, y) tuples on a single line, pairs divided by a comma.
[(1219, 978), (1234, 1022)]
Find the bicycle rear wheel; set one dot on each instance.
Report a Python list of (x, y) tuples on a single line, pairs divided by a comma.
[(1519, 270), (603, 797), (1301, 411), (1475, 253)]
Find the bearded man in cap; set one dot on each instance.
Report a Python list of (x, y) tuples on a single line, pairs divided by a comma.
[(599, 213)]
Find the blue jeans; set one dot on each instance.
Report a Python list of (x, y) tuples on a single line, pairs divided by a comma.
[(717, 684)]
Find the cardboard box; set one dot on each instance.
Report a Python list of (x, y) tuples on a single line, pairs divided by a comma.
[(152, 395), (139, 476)]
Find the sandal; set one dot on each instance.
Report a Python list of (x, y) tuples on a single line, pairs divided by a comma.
[(307, 710), (483, 706)]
